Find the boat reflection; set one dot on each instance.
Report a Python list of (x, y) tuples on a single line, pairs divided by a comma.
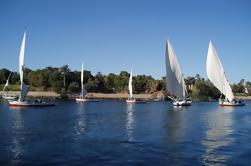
[(219, 125), (80, 125), (129, 122), (18, 134), (175, 129), (174, 124)]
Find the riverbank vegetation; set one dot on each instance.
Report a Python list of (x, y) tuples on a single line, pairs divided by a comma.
[(63, 80)]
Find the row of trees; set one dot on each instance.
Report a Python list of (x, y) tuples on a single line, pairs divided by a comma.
[(64, 80)]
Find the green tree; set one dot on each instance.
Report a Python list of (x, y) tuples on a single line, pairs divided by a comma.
[(73, 87)]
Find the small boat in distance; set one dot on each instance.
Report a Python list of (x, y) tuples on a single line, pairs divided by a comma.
[(24, 89), (175, 79), (82, 97), (6, 95), (216, 75), (130, 97)]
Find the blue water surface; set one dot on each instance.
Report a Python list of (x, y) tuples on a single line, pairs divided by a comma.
[(116, 133)]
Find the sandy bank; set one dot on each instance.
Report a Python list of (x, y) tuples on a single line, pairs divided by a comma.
[(244, 97), (35, 94), (119, 96), (90, 95)]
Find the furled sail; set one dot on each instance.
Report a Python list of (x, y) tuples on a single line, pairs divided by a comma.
[(174, 77), (83, 91), (216, 74), (130, 86), (24, 88)]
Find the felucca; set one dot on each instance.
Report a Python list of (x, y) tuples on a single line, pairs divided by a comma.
[(130, 97), (83, 93), (216, 75), (175, 79), (24, 89)]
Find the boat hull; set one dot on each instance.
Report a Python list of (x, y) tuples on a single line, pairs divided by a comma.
[(29, 104), (85, 100), (135, 101), (131, 101), (231, 104), (182, 103), (9, 97)]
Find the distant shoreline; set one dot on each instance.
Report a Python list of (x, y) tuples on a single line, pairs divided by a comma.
[(112, 96), (35, 94), (118, 96)]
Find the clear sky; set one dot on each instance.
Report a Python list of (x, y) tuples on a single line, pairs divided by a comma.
[(114, 35)]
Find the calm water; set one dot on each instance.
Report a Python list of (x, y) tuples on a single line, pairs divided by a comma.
[(114, 133)]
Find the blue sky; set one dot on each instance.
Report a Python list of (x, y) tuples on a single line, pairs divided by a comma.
[(114, 35)]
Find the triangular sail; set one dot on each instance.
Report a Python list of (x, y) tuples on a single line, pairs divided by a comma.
[(216, 74), (246, 90), (130, 86), (174, 77), (83, 91), (7, 82), (24, 88)]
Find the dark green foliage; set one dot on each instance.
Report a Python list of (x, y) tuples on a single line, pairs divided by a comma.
[(64, 80), (14, 79), (199, 89), (73, 87), (240, 87), (57, 86), (4, 73), (142, 83)]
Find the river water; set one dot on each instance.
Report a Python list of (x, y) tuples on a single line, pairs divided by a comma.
[(116, 133)]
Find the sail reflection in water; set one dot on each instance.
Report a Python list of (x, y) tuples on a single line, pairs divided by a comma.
[(129, 122), (175, 130), (80, 127), (220, 124), (18, 135), (175, 124)]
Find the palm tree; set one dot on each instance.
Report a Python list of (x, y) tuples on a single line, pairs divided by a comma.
[(64, 70)]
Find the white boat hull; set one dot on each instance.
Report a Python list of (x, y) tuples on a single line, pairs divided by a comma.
[(131, 101), (182, 103), (226, 103), (29, 104), (135, 101), (85, 100), (10, 97)]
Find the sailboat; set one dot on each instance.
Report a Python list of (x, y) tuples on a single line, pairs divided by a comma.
[(6, 95), (83, 91), (175, 79), (24, 89), (216, 75), (130, 97), (82, 97)]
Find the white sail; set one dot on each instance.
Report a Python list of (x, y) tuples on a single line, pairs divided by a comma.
[(130, 86), (83, 91), (246, 90), (216, 74), (24, 88), (174, 77), (7, 82)]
